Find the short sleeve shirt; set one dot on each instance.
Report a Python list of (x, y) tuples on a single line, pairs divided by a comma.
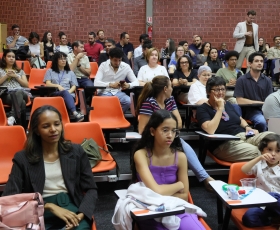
[(63, 78), (271, 106), (84, 62), (126, 48), (179, 74), (11, 83), (150, 105), (20, 42)]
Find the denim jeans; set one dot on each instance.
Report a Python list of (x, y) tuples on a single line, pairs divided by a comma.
[(83, 82), (256, 116), (68, 99), (193, 162)]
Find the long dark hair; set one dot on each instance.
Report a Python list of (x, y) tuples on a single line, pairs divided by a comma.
[(152, 89), (33, 35), (178, 66), (147, 140), (33, 147), (45, 38), (202, 47), (56, 56), (171, 47), (3, 63)]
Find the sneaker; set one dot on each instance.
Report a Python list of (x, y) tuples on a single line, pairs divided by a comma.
[(11, 120), (79, 117)]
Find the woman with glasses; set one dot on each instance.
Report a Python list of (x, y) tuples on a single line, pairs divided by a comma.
[(184, 75), (60, 76), (157, 95), (162, 166), (219, 116), (180, 52)]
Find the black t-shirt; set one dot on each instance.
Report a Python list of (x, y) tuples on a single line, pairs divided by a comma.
[(232, 126), (179, 74)]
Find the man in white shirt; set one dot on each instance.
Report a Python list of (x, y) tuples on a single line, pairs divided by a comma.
[(112, 75), (138, 51)]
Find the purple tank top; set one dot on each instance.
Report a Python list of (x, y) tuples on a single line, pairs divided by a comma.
[(163, 174)]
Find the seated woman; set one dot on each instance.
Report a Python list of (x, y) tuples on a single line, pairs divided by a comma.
[(152, 69), (180, 52), (15, 80), (48, 45), (57, 169), (184, 75), (219, 116), (203, 54), (63, 46), (60, 76), (169, 48), (160, 164), (157, 95), (36, 50), (213, 61)]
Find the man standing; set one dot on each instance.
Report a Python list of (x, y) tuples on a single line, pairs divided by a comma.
[(112, 75), (16, 40), (138, 51), (92, 48), (254, 87), (79, 64), (101, 37), (196, 49), (125, 45), (110, 44), (273, 54), (246, 34)]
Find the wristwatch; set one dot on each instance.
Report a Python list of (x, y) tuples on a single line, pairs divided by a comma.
[(79, 65)]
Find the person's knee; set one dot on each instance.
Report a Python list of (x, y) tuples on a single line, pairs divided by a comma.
[(255, 217)]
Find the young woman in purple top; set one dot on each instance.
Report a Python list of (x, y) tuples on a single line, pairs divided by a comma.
[(160, 164), (156, 95)]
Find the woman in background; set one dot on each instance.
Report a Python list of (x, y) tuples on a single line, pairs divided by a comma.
[(48, 46), (169, 48), (213, 61), (64, 45), (203, 54)]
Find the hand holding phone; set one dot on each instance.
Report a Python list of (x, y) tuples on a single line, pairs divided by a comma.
[(250, 133), (122, 82)]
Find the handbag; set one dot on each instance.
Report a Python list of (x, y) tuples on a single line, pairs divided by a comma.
[(92, 150), (37, 62), (22, 211)]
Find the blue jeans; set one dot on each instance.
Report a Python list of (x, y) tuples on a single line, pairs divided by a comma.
[(257, 217), (193, 162), (83, 82), (68, 99), (256, 116), (124, 99)]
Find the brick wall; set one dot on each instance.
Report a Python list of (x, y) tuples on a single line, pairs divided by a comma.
[(213, 20)]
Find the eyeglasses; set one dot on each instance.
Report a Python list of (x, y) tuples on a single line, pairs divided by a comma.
[(218, 90), (174, 132), (184, 62)]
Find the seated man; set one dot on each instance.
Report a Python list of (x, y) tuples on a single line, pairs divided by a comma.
[(271, 106), (222, 52), (16, 40), (141, 60), (79, 64), (138, 51), (112, 75), (109, 44), (100, 37), (254, 87), (125, 45), (273, 54), (92, 48)]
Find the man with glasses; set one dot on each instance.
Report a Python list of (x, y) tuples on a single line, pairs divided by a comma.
[(246, 34), (112, 75), (253, 88), (16, 40)]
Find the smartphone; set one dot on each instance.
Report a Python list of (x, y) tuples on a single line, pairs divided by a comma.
[(250, 134)]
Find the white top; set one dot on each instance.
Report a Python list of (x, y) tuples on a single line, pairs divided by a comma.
[(146, 73), (106, 75), (35, 49), (54, 182), (197, 92), (138, 51), (268, 178)]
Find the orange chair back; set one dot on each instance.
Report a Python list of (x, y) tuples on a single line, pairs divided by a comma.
[(3, 118), (26, 67), (235, 173), (1, 55), (36, 77), (94, 68), (56, 102), (107, 112), (77, 132), (244, 64), (218, 161), (12, 140), (49, 65)]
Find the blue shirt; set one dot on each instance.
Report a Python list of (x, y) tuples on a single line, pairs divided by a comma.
[(126, 48)]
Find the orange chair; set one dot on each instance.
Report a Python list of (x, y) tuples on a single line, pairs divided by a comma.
[(244, 64), (218, 161), (1, 55), (77, 132), (49, 65), (93, 227), (12, 140), (56, 102), (235, 174), (3, 118), (36, 77), (94, 68), (26, 66)]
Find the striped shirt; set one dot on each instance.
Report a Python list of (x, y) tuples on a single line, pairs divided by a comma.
[(150, 105)]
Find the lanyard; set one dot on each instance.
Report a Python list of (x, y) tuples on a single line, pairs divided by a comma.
[(60, 78)]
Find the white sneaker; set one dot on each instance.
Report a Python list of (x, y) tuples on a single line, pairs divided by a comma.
[(11, 121)]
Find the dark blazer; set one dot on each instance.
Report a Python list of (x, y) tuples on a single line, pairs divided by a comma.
[(27, 178)]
